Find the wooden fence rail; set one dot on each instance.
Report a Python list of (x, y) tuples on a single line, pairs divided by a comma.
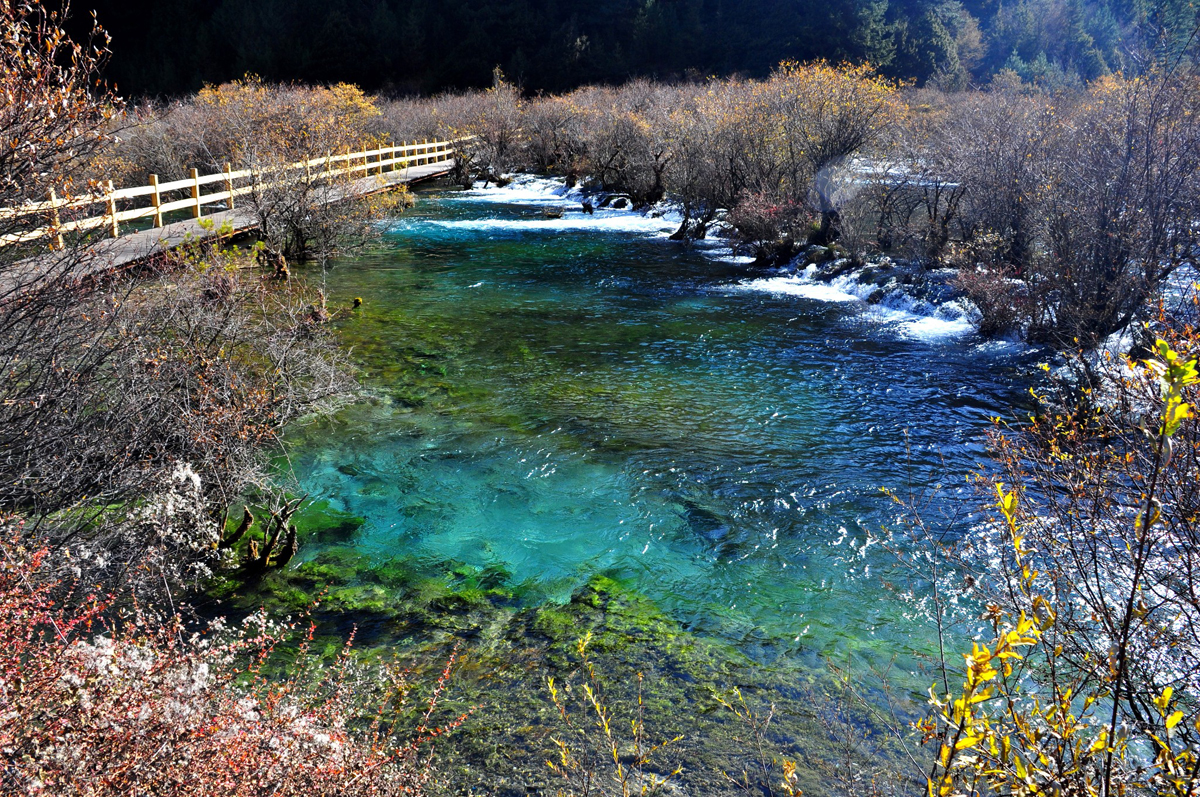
[(348, 165)]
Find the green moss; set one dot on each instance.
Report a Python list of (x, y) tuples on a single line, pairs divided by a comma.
[(320, 522), (556, 624), (332, 566), (358, 598)]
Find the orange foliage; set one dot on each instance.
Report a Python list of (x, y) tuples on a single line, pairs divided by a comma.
[(96, 701)]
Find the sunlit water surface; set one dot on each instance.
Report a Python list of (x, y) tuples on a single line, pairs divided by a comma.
[(566, 397)]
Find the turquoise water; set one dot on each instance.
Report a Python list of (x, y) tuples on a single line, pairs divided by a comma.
[(561, 398)]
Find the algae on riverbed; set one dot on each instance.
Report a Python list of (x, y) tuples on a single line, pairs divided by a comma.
[(509, 649)]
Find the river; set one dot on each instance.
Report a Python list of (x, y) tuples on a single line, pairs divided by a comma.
[(559, 398)]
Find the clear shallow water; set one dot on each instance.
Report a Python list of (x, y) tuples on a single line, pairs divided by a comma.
[(561, 398)]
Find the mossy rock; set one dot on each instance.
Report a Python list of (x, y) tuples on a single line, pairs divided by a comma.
[(320, 522), (817, 254), (332, 566)]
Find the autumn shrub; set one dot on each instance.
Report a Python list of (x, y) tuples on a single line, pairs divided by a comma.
[(56, 116), (266, 129), (98, 699), (769, 228), (1084, 678), (241, 122), (557, 129)]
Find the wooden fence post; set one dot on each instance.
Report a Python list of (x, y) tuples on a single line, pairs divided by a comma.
[(196, 194), (112, 212), (229, 183), (56, 220), (156, 200)]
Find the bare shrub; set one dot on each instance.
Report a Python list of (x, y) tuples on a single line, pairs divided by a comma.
[(493, 121), (557, 132), (915, 190), (1126, 185), (1081, 196), (112, 389), (699, 175), (594, 757)]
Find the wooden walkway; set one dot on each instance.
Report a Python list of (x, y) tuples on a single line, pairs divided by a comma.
[(115, 254)]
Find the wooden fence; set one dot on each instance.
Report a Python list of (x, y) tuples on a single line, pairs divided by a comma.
[(349, 165)]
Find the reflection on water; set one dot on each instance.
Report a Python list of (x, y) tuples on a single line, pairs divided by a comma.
[(562, 398)]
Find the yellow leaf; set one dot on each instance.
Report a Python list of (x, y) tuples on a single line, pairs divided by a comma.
[(1174, 719)]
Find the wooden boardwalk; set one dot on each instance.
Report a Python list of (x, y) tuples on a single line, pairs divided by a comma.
[(119, 253)]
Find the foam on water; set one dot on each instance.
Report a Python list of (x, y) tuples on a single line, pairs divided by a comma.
[(524, 190), (795, 286), (544, 193), (937, 327), (898, 312), (905, 315), (600, 222)]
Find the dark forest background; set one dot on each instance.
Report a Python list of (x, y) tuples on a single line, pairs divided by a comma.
[(167, 47)]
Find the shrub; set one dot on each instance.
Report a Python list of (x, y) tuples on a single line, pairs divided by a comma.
[(768, 228), (1084, 679), (113, 390), (55, 116), (100, 701)]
